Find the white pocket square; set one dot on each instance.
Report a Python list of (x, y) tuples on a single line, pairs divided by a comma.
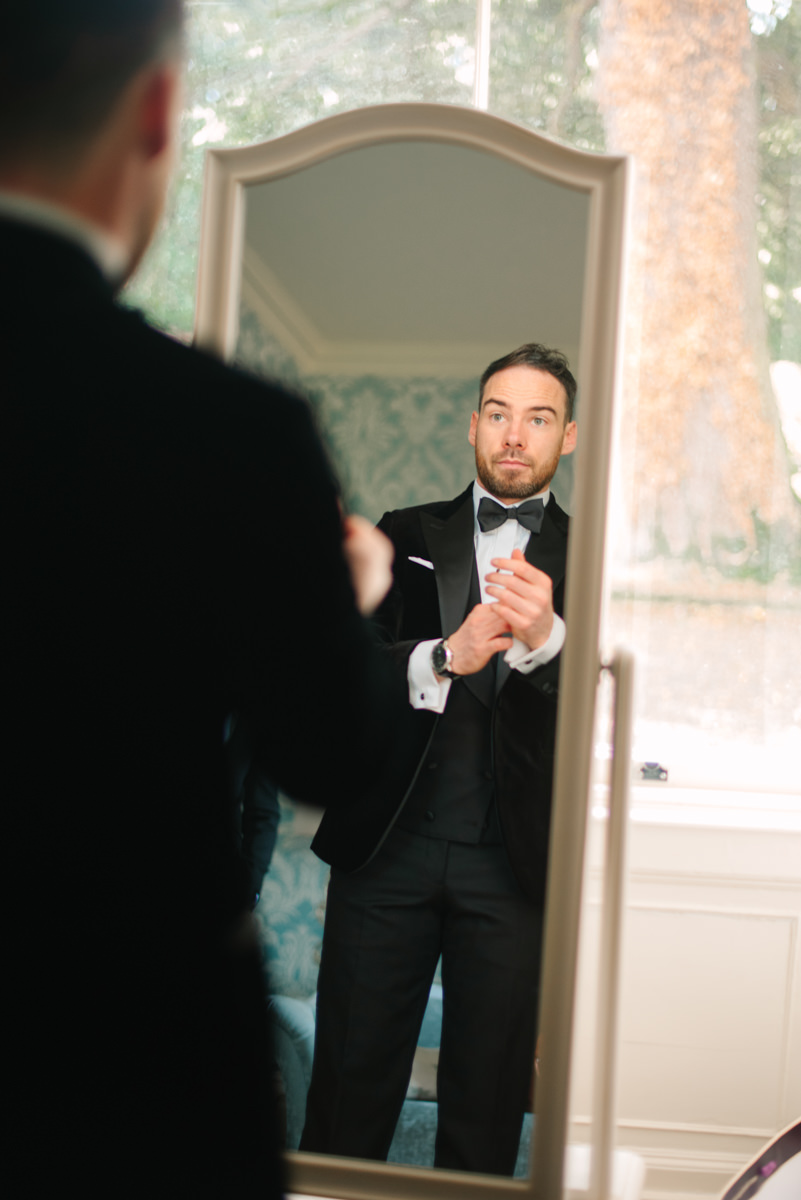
[(422, 561)]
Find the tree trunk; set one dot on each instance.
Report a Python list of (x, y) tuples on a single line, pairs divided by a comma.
[(704, 456)]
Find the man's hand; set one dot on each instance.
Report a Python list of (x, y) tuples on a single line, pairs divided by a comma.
[(369, 556), (483, 633), (525, 598)]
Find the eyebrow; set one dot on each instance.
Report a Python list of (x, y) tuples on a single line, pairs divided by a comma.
[(532, 408)]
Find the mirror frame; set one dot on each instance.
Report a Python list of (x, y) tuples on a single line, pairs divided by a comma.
[(607, 181)]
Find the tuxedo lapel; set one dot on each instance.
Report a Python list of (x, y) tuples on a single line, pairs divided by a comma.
[(451, 550), (547, 550), (451, 546)]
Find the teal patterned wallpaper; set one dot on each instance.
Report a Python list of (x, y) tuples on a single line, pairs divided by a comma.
[(398, 441), (394, 441)]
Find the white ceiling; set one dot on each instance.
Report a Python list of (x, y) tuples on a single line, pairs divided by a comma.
[(413, 256)]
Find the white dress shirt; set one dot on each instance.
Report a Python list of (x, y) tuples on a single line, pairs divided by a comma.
[(426, 689)]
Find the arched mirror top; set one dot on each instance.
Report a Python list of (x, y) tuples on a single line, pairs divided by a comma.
[(456, 169), (442, 123)]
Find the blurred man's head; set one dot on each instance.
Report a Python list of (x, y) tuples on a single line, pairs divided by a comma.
[(88, 96)]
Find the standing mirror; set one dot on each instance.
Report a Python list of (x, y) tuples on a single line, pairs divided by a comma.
[(380, 259)]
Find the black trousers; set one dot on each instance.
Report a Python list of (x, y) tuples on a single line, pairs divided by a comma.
[(385, 929)]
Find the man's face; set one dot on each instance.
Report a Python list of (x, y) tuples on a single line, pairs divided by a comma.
[(520, 433)]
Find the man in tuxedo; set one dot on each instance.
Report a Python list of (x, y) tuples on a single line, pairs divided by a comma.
[(454, 862), (172, 552)]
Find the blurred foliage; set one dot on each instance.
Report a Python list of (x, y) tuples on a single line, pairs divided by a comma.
[(778, 57), (259, 68), (542, 61)]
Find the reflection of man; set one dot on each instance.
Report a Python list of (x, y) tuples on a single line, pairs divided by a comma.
[(155, 580), (461, 869)]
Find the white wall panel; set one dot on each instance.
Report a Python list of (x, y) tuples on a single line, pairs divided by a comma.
[(710, 1036)]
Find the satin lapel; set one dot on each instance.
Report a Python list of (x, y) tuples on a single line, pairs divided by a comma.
[(546, 550), (451, 550)]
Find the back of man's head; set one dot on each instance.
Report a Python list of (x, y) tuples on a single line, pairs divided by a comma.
[(63, 65)]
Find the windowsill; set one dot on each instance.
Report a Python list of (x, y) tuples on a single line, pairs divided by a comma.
[(715, 808)]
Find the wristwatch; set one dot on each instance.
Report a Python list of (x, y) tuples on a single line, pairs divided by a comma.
[(442, 659)]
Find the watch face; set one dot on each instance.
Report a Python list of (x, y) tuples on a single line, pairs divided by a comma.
[(439, 657)]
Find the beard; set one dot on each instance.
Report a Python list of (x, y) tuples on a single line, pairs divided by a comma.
[(514, 485)]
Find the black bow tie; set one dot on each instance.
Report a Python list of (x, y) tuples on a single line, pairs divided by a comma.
[(492, 514)]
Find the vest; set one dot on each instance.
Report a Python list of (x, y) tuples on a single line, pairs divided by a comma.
[(452, 797)]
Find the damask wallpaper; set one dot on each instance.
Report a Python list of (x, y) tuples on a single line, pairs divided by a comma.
[(394, 441)]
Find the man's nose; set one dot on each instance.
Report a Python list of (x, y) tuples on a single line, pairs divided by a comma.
[(515, 433)]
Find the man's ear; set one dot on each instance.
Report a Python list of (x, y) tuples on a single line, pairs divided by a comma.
[(569, 439), (157, 109), (471, 437)]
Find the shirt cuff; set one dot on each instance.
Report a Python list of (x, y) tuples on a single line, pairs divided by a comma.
[(520, 658), (426, 689)]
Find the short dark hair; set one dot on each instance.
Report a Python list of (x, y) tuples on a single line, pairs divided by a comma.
[(532, 354), (64, 63)]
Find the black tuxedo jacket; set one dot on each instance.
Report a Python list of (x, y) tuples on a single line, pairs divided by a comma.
[(432, 602), (153, 584)]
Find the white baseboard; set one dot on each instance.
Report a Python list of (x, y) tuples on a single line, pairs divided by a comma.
[(683, 1175), (649, 1193), (684, 1162)]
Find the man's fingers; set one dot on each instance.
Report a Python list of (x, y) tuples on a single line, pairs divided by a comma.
[(483, 632), (511, 583), (514, 601), (519, 568), (523, 596), (514, 619), (484, 617), (525, 604), (369, 554), (517, 619), (518, 576)]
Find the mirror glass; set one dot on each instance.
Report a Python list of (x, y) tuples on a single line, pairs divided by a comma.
[(379, 262), (383, 281)]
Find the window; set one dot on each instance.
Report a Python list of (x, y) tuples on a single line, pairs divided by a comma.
[(705, 542)]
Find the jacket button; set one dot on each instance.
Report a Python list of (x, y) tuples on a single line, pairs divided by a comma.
[(432, 766), (488, 774), (429, 815)]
